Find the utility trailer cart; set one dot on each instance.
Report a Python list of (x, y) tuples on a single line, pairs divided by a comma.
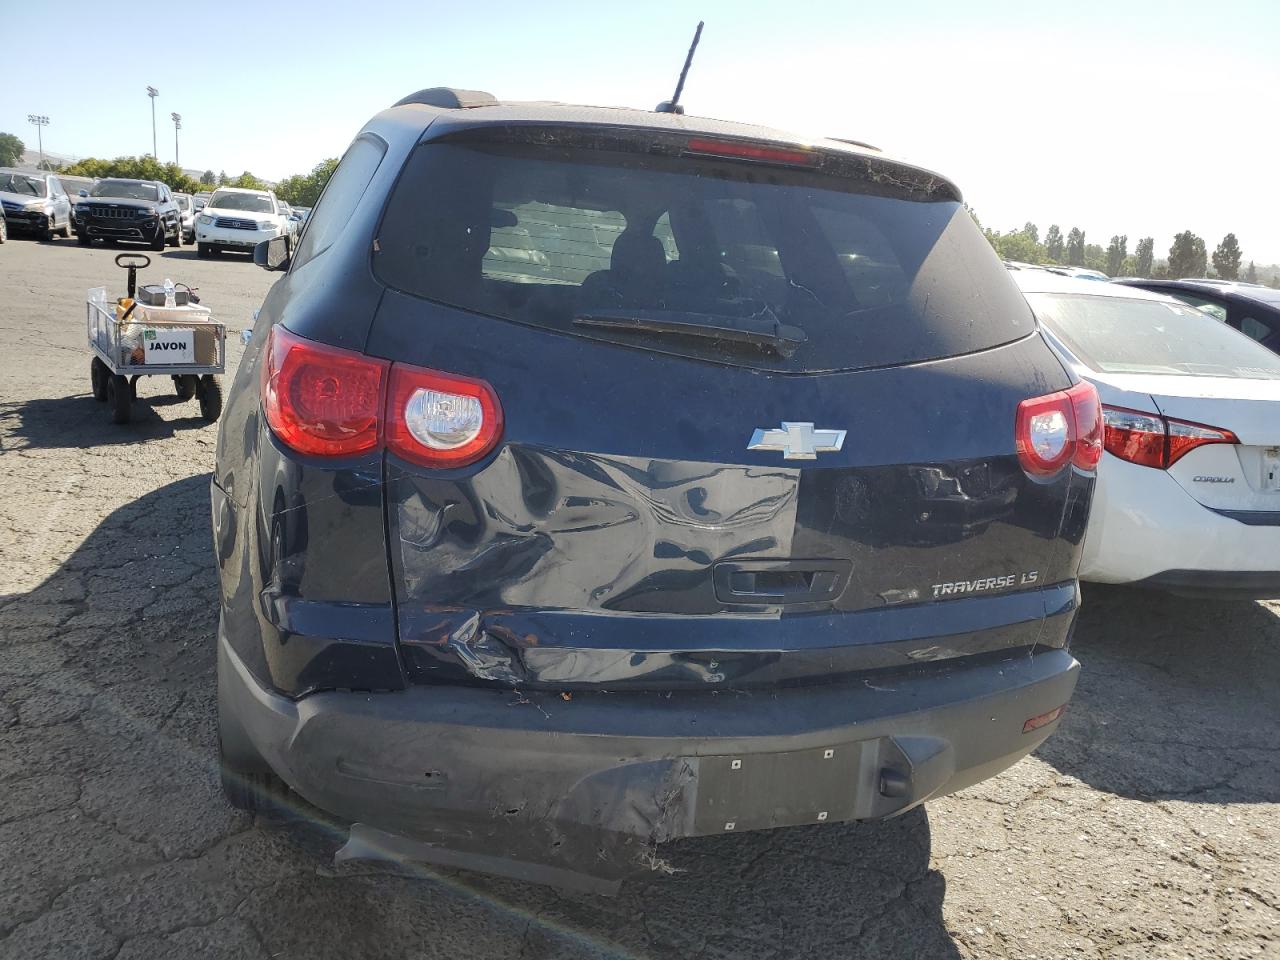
[(130, 339)]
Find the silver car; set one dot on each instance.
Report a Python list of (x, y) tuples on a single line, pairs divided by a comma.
[(187, 204), (36, 202)]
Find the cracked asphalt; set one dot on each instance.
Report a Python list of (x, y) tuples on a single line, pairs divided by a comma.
[(1149, 826)]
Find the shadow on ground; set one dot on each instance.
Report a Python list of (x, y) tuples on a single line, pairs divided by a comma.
[(1177, 698), (114, 831), (79, 421)]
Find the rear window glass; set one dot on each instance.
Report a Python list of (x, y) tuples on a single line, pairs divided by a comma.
[(1119, 335), (738, 263)]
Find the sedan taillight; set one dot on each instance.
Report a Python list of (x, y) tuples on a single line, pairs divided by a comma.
[(323, 401), (1060, 428), (1151, 440)]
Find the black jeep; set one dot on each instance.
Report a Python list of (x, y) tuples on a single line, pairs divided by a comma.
[(139, 211)]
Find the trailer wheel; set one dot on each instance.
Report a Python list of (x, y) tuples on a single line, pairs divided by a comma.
[(98, 374), (210, 393), (185, 385), (119, 398)]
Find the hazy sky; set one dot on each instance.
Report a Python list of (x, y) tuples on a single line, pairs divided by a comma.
[(1119, 117)]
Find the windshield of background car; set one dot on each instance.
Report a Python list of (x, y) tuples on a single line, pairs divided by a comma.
[(872, 270), (23, 185), (1120, 335), (250, 202), (124, 190), (184, 203)]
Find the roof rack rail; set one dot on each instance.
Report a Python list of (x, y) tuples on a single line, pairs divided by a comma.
[(449, 98)]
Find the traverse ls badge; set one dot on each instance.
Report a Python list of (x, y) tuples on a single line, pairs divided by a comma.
[(797, 441)]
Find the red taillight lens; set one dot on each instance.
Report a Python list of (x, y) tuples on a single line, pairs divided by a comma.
[(1043, 719), (327, 402), (763, 153), (1088, 415), (1185, 437), (1151, 440), (1135, 436), (320, 400), (441, 420), (1059, 428)]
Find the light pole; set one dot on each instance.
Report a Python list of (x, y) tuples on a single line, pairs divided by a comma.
[(40, 122), (177, 125), (152, 92)]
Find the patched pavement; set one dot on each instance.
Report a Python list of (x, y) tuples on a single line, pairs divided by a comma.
[(1149, 826)]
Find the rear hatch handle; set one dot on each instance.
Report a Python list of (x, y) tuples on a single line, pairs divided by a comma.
[(780, 581)]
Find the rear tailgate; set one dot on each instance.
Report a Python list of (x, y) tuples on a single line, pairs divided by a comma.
[(624, 533)]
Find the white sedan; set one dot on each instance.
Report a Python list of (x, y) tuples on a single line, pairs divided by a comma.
[(238, 219), (1188, 492)]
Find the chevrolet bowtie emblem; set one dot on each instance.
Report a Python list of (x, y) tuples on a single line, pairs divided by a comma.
[(797, 441)]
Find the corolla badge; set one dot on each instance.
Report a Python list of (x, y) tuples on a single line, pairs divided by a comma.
[(797, 441)]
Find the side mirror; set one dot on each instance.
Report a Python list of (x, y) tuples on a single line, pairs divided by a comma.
[(273, 254), (84, 193)]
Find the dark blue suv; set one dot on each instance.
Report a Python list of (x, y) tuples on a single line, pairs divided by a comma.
[(595, 478)]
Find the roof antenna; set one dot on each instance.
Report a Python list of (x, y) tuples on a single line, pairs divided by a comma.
[(673, 105)]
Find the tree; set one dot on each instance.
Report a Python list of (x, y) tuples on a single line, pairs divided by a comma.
[(1187, 256), (1075, 247), (1016, 245), (1031, 231), (222, 178), (1251, 275), (1117, 250), (1226, 258), (1095, 258), (11, 150), (208, 178), (303, 189), (246, 180), (135, 168), (1053, 246), (1146, 254)]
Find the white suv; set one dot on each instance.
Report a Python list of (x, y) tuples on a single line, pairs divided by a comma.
[(238, 219)]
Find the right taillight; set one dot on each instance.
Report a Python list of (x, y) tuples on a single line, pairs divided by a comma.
[(1059, 428), (323, 401), (1151, 440)]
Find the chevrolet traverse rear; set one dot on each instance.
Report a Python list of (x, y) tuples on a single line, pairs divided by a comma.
[(595, 478)]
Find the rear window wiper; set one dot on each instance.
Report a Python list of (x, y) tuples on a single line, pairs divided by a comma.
[(760, 330)]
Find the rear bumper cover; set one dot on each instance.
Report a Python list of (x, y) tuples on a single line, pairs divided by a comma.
[(546, 786), (1216, 584)]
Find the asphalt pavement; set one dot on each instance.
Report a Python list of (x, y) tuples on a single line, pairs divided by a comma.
[(1148, 826)]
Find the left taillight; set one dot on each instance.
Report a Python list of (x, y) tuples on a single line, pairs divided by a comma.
[(319, 400), (1060, 428), (440, 420), (323, 401), (1151, 440)]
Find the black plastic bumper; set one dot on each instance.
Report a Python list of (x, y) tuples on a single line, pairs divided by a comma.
[(546, 787)]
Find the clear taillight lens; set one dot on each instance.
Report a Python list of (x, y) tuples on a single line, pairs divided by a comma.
[(441, 420), (1151, 440), (1059, 428)]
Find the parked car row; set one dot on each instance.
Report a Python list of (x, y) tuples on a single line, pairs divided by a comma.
[(118, 210)]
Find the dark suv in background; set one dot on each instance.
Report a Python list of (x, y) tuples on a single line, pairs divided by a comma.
[(138, 211), (599, 477)]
